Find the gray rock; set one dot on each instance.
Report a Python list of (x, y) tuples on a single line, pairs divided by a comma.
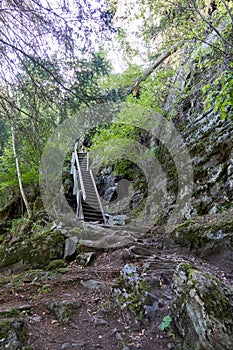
[(85, 258), (70, 247), (131, 293), (33, 251), (65, 346), (77, 346), (97, 321), (203, 309), (209, 237), (109, 193), (12, 342), (117, 220), (63, 310), (92, 284), (12, 333)]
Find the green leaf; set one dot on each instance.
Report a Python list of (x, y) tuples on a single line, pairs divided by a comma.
[(166, 323)]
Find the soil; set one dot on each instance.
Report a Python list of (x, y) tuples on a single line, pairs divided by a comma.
[(97, 323)]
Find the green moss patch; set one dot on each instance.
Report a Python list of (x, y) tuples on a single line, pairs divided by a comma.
[(33, 251)]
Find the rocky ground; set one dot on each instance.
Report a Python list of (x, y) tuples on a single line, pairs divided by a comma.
[(70, 308), (116, 299)]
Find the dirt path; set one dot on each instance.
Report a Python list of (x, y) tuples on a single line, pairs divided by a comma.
[(95, 323), (70, 308)]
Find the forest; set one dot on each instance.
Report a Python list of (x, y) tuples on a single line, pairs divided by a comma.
[(116, 174)]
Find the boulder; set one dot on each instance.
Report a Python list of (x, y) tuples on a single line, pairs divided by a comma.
[(202, 309), (34, 251), (210, 237), (70, 247)]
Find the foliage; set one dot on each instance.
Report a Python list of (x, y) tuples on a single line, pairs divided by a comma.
[(29, 167), (7, 169), (29, 28), (166, 323), (219, 95), (44, 289), (48, 57), (42, 84)]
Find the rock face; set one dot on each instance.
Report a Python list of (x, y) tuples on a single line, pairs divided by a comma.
[(210, 143), (203, 309), (210, 237)]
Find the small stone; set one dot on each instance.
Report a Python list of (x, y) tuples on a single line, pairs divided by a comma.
[(92, 284), (79, 346), (97, 321), (34, 318), (118, 336), (13, 342)]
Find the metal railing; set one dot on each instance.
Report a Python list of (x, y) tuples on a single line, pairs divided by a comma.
[(79, 173), (79, 191), (98, 196)]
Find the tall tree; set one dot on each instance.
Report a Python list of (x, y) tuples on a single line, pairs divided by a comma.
[(39, 30), (43, 47), (19, 175)]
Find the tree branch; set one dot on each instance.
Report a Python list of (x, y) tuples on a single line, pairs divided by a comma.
[(157, 63), (211, 26), (228, 11)]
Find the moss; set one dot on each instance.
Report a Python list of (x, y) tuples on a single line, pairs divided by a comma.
[(210, 290), (189, 270), (64, 310), (200, 173), (4, 280), (4, 328), (17, 326), (131, 294), (216, 303), (56, 264), (195, 235), (35, 251), (11, 313)]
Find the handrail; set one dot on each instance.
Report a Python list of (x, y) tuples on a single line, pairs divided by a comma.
[(79, 172), (79, 211), (97, 194), (88, 165)]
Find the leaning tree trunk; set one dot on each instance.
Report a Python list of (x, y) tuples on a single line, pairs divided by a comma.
[(25, 200)]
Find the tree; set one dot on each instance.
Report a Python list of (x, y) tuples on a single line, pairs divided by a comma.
[(203, 26), (35, 32), (45, 50), (19, 175)]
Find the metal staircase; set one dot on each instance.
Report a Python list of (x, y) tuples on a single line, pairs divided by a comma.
[(89, 207)]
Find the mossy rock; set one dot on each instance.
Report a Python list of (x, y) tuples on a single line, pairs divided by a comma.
[(208, 236), (11, 210), (12, 334), (56, 264), (63, 310), (34, 251), (131, 293), (202, 309)]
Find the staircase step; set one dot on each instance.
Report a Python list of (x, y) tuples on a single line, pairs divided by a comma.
[(91, 207)]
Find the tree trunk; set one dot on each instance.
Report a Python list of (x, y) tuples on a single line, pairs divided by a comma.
[(156, 64), (25, 200)]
